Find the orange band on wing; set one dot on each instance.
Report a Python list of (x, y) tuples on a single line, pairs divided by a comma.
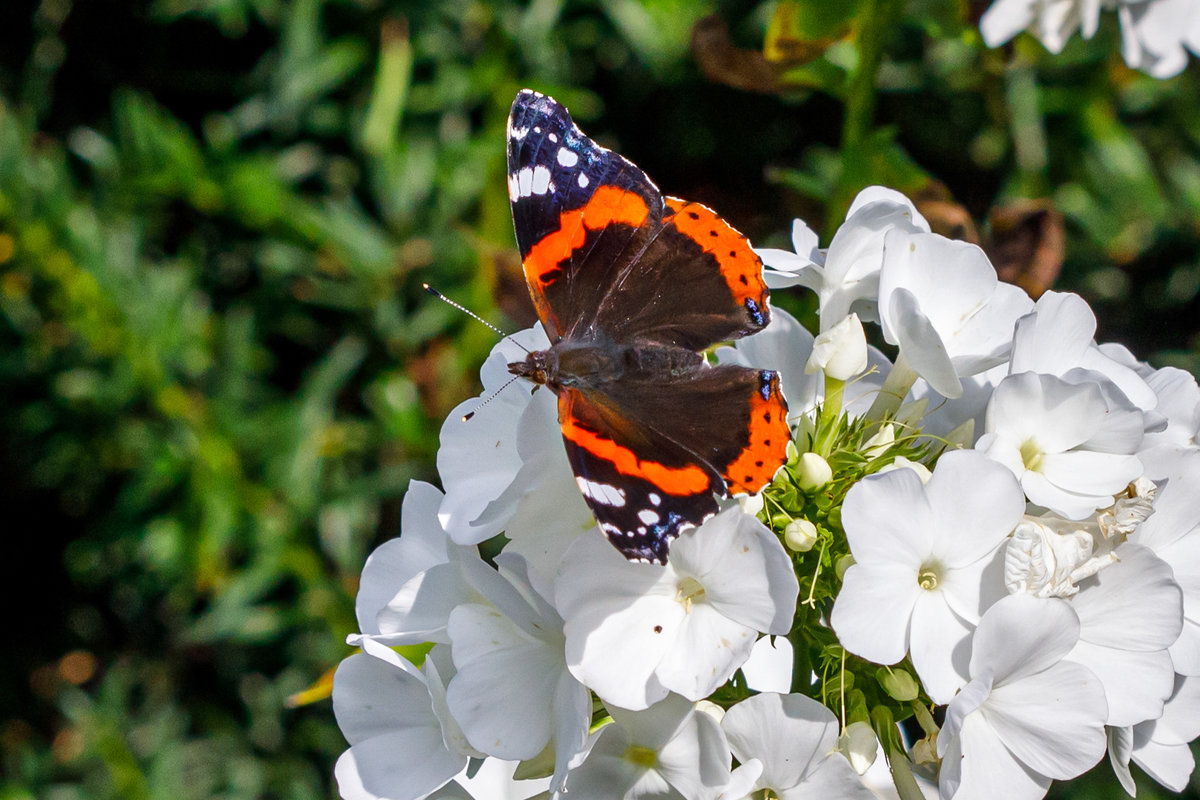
[(608, 205), (766, 451), (740, 266), (673, 480)]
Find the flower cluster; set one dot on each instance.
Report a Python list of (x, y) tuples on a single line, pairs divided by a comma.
[(978, 560), (1156, 35)]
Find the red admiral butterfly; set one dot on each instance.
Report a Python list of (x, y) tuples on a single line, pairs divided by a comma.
[(630, 286)]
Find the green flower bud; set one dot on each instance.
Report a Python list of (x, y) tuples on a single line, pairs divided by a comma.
[(813, 472)]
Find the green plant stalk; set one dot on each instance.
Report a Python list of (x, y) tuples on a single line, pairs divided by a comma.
[(876, 18)]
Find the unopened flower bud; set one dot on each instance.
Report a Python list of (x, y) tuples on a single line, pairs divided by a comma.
[(841, 351), (800, 535), (813, 472), (842, 564), (900, 462), (880, 442), (899, 684), (859, 745)]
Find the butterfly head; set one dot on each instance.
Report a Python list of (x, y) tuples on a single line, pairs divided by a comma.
[(540, 366)]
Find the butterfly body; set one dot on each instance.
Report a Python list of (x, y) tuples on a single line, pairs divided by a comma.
[(631, 287)]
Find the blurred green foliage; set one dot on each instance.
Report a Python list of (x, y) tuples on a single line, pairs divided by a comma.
[(219, 372)]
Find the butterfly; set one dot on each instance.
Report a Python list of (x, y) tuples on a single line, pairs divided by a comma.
[(631, 287)]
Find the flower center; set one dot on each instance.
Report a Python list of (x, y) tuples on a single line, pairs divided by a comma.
[(689, 591), (929, 576), (1031, 455), (642, 756)]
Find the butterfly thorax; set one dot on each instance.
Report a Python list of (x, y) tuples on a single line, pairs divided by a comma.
[(591, 363)]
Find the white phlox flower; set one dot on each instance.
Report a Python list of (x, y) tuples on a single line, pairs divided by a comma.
[(1179, 403), (846, 277), (922, 552), (1057, 338), (1129, 613), (670, 751), (403, 746), (1173, 534), (421, 545), (1027, 716), (512, 693), (1056, 439), (1161, 746), (1155, 34), (795, 739), (505, 468), (941, 303), (635, 632)]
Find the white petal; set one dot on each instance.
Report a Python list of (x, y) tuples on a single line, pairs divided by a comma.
[(696, 760), (1135, 684), (502, 693), (984, 764), (976, 504), (769, 668), (872, 611), (706, 651), (1133, 604), (1022, 635), (734, 550), (402, 765), (1169, 764), (877, 534), (420, 545), (620, 620), (1052, 721), (790, 734), (831, 779), (939, 646)]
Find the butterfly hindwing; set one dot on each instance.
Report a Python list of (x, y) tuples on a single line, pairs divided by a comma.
[(648, 471)]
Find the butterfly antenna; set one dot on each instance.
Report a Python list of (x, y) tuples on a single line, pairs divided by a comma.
[(490, 397), (471, 314)]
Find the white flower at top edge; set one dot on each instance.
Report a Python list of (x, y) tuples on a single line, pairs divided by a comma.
[(1027, 716), (941, 303), (635, 632), (846, 277), (921, 550), (1155, 34)]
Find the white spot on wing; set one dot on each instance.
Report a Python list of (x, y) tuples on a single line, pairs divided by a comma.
[(541, 179), (601, 492), (568, 158), (583, 181), (655, 499), (552, 137), (513, 189), (518, 133), (649, 517), (525, 182)]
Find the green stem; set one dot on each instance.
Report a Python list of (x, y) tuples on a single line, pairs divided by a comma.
[(876, 18), (895, 388), (902, 777)]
